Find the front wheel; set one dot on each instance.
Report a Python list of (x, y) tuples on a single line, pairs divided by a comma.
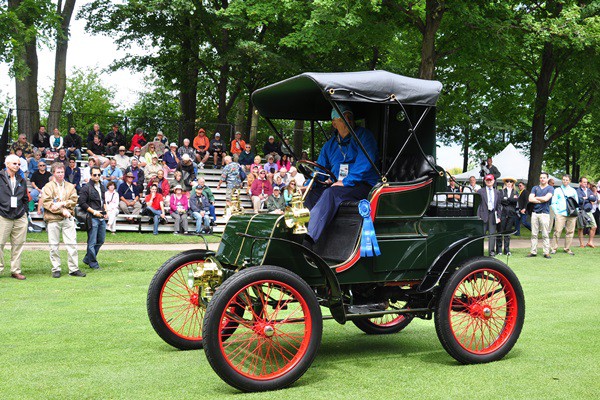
[(481, 311), (278, 332)]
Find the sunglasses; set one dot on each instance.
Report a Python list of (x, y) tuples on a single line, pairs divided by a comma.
[(121, 150), (41, 165), (96, 174)]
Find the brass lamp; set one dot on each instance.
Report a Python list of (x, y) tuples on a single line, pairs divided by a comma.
[(297, 215)]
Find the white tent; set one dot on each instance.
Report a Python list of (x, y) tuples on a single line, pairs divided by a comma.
[(510, 162)]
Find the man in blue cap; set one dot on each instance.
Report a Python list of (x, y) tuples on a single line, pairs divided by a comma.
[(355, 176)]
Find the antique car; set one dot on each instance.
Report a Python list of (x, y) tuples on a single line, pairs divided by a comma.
[(257, 304)]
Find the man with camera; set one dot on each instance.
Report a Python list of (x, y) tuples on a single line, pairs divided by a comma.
[(487, 168)]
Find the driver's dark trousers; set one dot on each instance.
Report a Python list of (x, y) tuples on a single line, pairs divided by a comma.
[(323, 204)]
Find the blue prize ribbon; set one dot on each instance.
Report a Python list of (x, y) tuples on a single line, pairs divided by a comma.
[(368, 242)]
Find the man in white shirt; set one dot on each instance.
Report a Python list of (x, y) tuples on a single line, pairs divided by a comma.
[(472, 187), (122, 159)]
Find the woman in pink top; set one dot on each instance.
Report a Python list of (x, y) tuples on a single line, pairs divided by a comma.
[(260, 190), (179, 206), (284, 162)]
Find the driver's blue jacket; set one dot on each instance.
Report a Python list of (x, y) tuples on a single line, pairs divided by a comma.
[(337, 151)]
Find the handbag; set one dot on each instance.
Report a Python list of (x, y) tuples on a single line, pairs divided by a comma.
[(583, 219), (572, 206), (242, 174), (83, 219)]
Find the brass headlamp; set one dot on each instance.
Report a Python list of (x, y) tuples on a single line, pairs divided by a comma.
[(297, 215)]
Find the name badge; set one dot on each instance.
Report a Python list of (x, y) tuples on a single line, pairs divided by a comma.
[(344, 169), (13, 201)]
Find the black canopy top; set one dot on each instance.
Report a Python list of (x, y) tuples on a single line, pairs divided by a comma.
[(305, 96)]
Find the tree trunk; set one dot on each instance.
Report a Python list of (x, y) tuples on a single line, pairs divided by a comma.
[(28, 114), (60, 66), (568, 156), (189, 86), (434, 12), (298, 138), (466, 143), (240, 118)]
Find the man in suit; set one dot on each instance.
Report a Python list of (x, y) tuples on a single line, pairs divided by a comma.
[(490, 209)]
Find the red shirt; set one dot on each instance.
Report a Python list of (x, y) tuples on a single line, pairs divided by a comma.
[(158, 198)]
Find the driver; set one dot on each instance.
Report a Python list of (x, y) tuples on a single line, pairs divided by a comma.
[(342, 155)]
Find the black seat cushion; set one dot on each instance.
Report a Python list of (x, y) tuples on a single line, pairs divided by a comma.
[(412, 168), (340, 237)]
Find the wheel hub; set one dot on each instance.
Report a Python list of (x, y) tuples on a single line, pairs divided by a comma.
[(264, 329), (268, 331), (194, 299), (480, 311)]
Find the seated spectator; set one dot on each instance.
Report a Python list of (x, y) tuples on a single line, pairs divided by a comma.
[(150, 152), (73, 144), (154, 202), (186, 167), (276, 202), (179, 207), (73, 174), (278, 182), (202, 146), (251, 177), (160, 137), (129, 197), (246, 157), (257, 162), (62, 157), (217, 149), (25, 146), (153, 167), (39, 179), (272, 148), (138, 139), (86, 172), (162, 185), (95, 131), (237, 146), (111, 201), (56, 141), (114, 140), (206, 191), (187, 149), (289, 191), (285, 177), (138, 173), (98, 151), (261, 189), (170, 159), (24, 167), (271, 167), (453, 198), (112, 173), (299, 178), (41, 140), (137, 154), (32, 164), (200, 208), (284, 162), (123, 160)]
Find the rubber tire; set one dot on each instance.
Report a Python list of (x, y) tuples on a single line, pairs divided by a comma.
[(153, 299), (442, 322), (370, 328), (212, 320)]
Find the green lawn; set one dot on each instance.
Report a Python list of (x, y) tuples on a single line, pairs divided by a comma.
[(131, 237), (89, 338)]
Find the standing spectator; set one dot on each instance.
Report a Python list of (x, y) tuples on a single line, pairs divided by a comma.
[(595, 209), (522, 203), (92, 201), (586, 200), (276, 202), (150, 153), (272, 148), (207, 192), (186, 149), (60, 198), (112, 173), (73, 143), (13, 214), (23, 144), (113, 140), (38, 180), (73, 174), (95, 131), (122, 159), (551, 183), (489, 210), (452, 188), (509, 200), (202, 146), (284, 163), (246, 157), (137, 172), (563, 219), (129, 196), (541, 196), (186, 167), (154, 202), (231, 176), (299, 178), (97, 150), (170, 159), (289, 191), (62, 157), (138, 139), (86, 173), (238, 146), (489, 168), (179, 206), (56, 141), (472, 187), (160, 137), (111, 199), (217, 149), (33, 163), (41, 140), (200, 208), (261, 189)]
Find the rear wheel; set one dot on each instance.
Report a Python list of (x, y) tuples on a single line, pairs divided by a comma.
[(278, 333), (481, 312), (386, 324)]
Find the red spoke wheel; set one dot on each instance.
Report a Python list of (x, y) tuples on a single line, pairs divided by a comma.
[(278, 333), (174, 309), (481, 311), (386, 324)]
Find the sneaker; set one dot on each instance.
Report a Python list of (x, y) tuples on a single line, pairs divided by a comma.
[(175, 233), (94, 266), (77, 273), (547, 256), (569, 252), (201, 166), (492, 254), (509, 253), (56, 274), (531, 255), (552, 251)]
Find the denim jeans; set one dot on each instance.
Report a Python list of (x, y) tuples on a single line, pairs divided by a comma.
[(77, 153), (156, 217), (201, 220), (211, 210), (35, 195), (96, 236), (522, 220)]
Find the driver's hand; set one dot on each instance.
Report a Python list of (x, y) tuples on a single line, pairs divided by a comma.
[(338, 183), (328, 182)]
